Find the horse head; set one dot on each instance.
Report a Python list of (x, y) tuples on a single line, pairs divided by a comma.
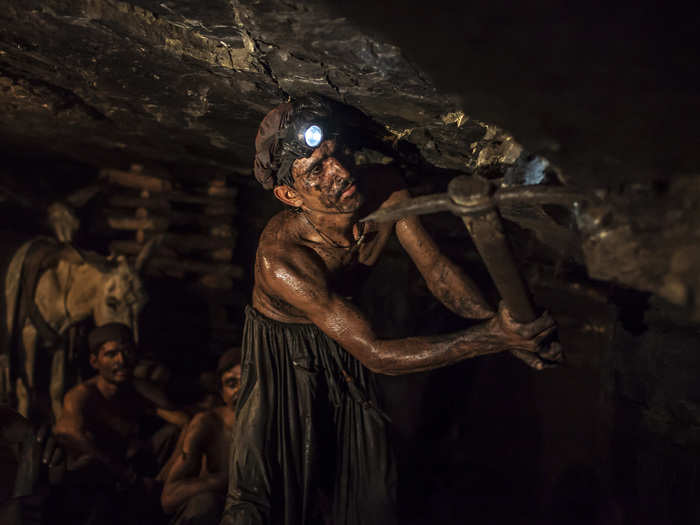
[(120, 294)]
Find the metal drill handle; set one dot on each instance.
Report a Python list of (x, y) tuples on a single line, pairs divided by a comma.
[(486, 230)]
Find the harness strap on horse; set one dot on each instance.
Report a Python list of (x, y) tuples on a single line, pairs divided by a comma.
[(45, 330), (42, 255)]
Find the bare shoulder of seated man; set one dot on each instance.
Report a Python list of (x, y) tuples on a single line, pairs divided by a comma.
[(102, 416), (196, 483)]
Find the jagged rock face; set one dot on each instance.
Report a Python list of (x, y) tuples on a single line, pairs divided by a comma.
[(608, 93), (605, 94), (182, 82), (98, 80)]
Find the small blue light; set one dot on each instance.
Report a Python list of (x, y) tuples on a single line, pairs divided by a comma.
[(313, 136)]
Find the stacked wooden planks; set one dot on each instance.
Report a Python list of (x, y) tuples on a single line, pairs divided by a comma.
[(198, 237)]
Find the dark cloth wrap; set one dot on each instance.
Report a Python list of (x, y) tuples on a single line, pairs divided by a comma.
[(117, 332), (309, 443), (266, 145)]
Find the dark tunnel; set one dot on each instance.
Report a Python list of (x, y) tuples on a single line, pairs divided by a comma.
[(275, 368)]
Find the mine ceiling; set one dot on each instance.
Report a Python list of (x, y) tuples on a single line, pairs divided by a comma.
[(601, 98)]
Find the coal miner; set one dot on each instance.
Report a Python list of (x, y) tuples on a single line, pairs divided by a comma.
[(310, 440), (195, 487), (117, 439)]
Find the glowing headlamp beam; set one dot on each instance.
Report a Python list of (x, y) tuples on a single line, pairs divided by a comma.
[(313, 136)]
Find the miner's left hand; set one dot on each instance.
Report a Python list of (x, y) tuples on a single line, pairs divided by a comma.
[(536, 330), (548, 353)]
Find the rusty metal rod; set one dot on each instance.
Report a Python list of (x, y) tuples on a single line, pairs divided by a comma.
[(486, 230)]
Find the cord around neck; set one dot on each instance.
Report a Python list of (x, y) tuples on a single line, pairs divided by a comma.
[(330, 241)]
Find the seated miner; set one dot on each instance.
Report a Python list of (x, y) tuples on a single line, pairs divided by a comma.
[(310, 441), (195, 488), (111, 431)]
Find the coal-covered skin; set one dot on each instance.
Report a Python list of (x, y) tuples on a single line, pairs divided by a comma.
[(304, 259), (231, 386), (101, 416), (201, 465), (114, 362), (326, 176)]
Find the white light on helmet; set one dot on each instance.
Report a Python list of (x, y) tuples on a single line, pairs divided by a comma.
[(313, 136)]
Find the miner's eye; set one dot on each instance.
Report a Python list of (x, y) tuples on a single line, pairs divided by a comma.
[(317, 169), (112, 303)]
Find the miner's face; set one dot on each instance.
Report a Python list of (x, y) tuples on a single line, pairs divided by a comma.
[(323, 180), (231, 385), (114, 362)]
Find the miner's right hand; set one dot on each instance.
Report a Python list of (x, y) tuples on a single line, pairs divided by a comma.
[(523, 336), (544, 352)]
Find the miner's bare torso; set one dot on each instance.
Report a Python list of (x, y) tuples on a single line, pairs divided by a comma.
[(346, 267), (114, 423), (217, 440)]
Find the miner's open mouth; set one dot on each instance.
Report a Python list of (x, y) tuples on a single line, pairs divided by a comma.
[(347, 193)]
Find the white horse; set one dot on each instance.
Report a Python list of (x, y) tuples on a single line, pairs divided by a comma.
[(77, 287)]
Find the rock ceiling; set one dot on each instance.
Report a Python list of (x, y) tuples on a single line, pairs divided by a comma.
[(187, 84), (607, 95)]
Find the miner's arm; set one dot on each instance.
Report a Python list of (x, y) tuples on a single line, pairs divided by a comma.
[(158, 403), (184, 480), (71, 433), (176, 417), (446, 281), (297, 275)]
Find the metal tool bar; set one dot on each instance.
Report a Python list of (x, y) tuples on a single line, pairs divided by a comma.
[(486, 230)]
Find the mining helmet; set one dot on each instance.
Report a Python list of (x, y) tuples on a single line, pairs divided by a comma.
[(309, 124)]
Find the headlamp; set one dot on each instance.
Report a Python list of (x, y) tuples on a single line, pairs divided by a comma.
[(309, 124), (313, 136)]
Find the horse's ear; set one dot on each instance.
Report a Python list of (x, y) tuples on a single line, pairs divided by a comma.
[(70, 254), (147, 251)]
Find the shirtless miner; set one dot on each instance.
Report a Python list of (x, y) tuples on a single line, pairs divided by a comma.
[(108, 430), (310, 441), (196, 484)]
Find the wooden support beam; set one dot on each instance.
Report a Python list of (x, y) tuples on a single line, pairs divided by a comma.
[(210, 198), (130, 222), (194, 242), (123, 219), (222, 208), (197, 267), (178, 266), (217, 281), (164, 200), (222, 254), (183, 243), (136, 180), (224, 231), (152, 203)]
